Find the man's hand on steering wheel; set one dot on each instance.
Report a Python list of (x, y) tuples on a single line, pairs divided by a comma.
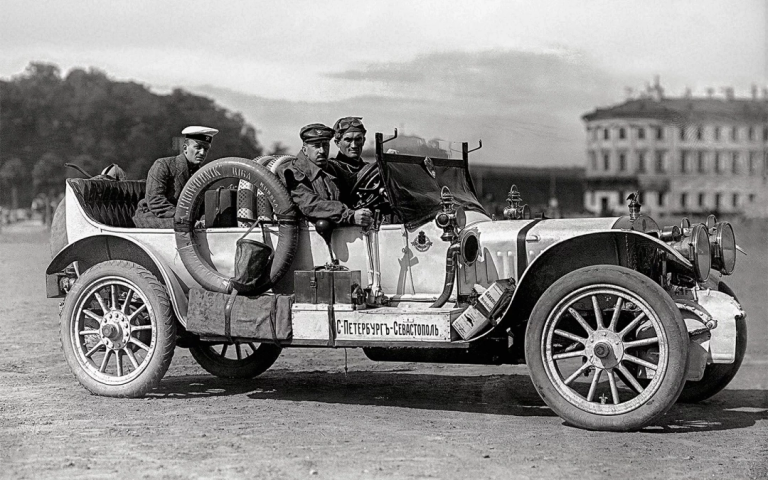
[(363, 217)]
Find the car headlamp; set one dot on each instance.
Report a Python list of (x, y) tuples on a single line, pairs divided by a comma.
[(694, 245), (723, 242)]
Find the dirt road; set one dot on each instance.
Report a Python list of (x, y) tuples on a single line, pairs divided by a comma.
[(307, 418)]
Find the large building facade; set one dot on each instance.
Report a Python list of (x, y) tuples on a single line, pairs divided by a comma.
[(685, 155)]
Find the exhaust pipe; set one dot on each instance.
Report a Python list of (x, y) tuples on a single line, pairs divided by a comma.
[(451, 264)]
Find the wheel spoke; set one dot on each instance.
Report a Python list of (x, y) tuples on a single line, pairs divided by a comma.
[(89, 313), (224, 350), (128, 298), (598, 312), (593, 385), (641, 342), (119, 364), (139, 343), (614, 389), (632, 325), (104, 361), (131, 357), (640, 362), (238, 351), (90, 352), (580, 319), (141, 327), (136, 312), (629, 378), (561, 356), (576, 374), (89, 332), (570, 336), (616, 314), (103, 305), (113, 296), (253, 347)]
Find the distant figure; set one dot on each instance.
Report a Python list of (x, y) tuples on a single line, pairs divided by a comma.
[(349, 136), (313, 182), (167, 177)]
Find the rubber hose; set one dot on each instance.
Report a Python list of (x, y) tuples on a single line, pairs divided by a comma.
[(451, 263)]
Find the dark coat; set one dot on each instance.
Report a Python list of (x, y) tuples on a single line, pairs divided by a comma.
[(165, 181), (316, 191)]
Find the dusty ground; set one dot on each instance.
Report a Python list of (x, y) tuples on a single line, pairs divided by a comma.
[(306, 418)]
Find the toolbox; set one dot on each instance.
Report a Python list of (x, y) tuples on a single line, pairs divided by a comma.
[(327, 286)]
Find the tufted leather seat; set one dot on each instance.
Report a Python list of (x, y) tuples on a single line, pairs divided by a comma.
[(109, 202)]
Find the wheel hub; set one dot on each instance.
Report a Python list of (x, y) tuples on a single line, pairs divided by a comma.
[(115, 330), (604, 349)]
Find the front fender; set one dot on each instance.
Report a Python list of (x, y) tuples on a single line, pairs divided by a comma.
[(95, 249), (606, 247)]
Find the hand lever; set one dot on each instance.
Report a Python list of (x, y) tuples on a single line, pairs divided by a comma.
[(325, 229)]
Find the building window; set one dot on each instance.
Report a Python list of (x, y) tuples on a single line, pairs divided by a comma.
[(735, 200), (685, 162), (659, 133), (641, 197), (753, 163), (699, 132), (734, 133), (718, 199), (660, 165), (765, 134), (751, 198), (662, 198), (735, 163), (622, 133), (622, 162), (751, 133), (683, 200), (641, 133), (717, 133), (640, 162), (682, 132), (606, 134), (702, 163), (593, 161), (606, 161), (701, 199), (719, 163)]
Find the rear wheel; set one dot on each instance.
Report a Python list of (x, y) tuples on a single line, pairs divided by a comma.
[(592, 336), (118, 330), (235, 360)]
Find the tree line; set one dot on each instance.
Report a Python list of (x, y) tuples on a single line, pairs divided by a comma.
[(86, 118)]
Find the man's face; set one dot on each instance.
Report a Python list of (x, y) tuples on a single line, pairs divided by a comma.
[(317, 152), (351, 144), (196, 151)]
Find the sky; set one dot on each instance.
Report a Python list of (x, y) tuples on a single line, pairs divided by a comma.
[(516, 74)]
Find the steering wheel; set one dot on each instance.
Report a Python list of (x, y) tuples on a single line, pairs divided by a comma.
[(368, 190)]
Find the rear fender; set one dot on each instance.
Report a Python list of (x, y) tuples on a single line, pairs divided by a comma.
[(92, 250), (606, 247)]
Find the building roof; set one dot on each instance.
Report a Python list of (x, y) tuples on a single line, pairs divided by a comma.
[(686, 110)]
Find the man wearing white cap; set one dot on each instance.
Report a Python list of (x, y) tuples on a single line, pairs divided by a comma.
[(167, 177)]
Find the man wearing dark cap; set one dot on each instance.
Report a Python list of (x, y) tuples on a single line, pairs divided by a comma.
[(167, 177), (349, 136), (313, 182)]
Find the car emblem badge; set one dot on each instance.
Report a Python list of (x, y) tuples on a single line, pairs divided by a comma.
[(429, 166), (422, 242)]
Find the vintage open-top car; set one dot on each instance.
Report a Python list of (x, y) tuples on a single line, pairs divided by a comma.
[(616, 318)]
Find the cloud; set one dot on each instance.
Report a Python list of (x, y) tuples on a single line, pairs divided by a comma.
[(525, 105)]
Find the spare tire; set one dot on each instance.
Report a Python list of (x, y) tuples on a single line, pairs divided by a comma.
[(192, 196)]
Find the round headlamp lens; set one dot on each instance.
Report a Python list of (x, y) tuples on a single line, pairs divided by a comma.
[(702, 260), (725, 254)]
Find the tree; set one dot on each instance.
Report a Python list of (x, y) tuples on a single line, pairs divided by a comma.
[(12, 174), (278, 148), (48, 173)]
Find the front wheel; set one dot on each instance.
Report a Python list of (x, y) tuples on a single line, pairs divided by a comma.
[(592, 338), (239, 360), (118, 330)]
